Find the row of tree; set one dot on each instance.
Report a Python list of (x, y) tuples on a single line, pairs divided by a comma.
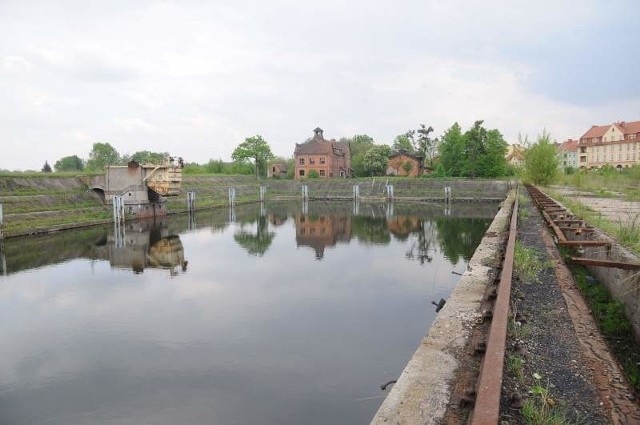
[(478, 152)]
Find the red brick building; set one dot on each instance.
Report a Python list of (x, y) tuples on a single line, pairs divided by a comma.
[(328, 158), (403, 163)]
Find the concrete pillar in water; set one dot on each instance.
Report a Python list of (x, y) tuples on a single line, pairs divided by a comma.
[(191, 201), (447, 194), (390, 192), (232, 196), (118, 209), (1, 224), (305, 192), (263, 193)]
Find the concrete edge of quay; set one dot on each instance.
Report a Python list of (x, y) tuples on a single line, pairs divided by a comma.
[(425, 386)]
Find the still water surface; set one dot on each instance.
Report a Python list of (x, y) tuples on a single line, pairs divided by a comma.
[(275, 317)]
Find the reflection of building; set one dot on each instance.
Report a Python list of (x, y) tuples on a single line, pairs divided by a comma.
[(323, 231), (402, 226), (327, 158), (143, 244)]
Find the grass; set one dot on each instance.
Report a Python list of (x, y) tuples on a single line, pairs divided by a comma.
[(609, 314), (515, 366), (527, 263), (542, 409)]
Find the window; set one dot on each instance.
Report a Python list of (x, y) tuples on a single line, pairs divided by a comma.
[(301, 161), (322, 173), (322, 160), (301, 173), (312, 161)]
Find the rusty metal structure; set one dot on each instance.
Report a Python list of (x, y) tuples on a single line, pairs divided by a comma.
[(573, 232), (486, 408), (142, 187)]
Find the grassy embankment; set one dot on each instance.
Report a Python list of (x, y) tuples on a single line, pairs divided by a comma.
[(608, 312)]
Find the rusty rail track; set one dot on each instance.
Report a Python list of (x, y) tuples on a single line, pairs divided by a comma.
[(486, 408), (556, 215)]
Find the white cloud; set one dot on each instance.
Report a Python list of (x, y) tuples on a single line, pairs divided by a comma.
[(200, 77)]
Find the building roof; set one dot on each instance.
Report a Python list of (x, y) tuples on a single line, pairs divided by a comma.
[(629, 127), (596, 131), (569, 145), (600, 130), (318, 145), (403, 152)]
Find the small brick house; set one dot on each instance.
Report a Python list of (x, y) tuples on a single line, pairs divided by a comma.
[(403, 163), (277, 170), (328, 158)]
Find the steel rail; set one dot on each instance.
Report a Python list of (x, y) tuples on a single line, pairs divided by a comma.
[(487, 404)]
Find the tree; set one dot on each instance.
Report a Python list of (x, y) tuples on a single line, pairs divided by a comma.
[(360, 144), (477, 153), (541, 161), (376, 159), (255, 148), (425, 146), (313, 174), (102, 155), (451, 151), (403, 142), (69, 163), (46, 168)]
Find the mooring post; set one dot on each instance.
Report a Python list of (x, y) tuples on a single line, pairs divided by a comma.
[(356, 193), (1, 224), (118, 209), (447, 194), (389, 209), (263, 193), (191, 201), (232, 196), (305, 192), (389, 192)]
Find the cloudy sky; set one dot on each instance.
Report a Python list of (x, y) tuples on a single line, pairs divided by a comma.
[(194, 78)]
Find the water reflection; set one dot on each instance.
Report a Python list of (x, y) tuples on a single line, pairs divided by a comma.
[(142, 244), (257, 330)]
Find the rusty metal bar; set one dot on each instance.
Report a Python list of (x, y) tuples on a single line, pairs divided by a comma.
[(584, 243), (605, 263), (559, 234), (487, 406)]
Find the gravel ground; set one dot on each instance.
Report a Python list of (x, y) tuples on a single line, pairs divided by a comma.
[(545, 339), (614, 209)]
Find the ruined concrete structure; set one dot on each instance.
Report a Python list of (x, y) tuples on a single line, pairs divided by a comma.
[(141, 186)]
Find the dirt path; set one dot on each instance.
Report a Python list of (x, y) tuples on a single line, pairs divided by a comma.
[(615, 209), (559, 344)]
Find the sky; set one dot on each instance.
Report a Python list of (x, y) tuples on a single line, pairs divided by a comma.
[(195, 78)]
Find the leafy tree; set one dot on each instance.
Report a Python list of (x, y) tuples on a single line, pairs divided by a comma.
[(46, 168), (541, 161), (452, 150), (313, 174), (376, 158), (149, 157), (101, 155), (69, 163), (477, 153), (407, 166), (425, 146), (360, 144), (403, 142), (255, 148)]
